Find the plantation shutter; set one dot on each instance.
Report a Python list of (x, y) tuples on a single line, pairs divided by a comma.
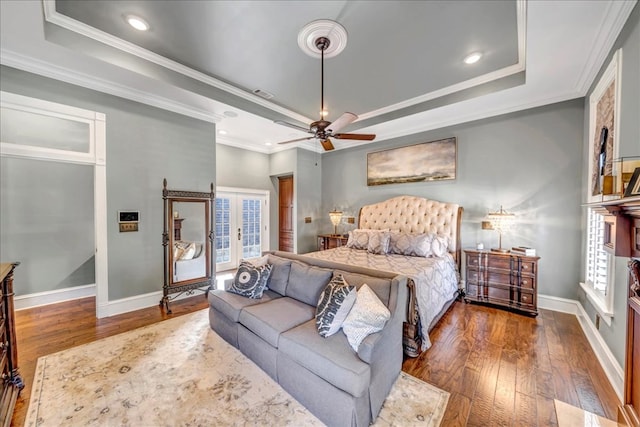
[(597, 260)]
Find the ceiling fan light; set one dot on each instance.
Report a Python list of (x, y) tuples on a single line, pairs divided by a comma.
[(472, 58), (137, 22)]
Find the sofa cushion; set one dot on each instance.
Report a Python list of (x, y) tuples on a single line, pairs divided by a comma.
[(367, 316), (329, 358), (307, 281), (279, 274), (334, 304), (269, 320), (381, 287), (250, 280), (231, 304)]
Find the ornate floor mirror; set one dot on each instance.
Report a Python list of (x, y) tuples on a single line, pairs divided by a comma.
[(188, 243)]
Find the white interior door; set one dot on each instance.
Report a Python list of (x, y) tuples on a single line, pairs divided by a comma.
[(242, 220)]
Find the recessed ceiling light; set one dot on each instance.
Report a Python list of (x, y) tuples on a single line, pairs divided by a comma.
[(324, 113), (472, 58), (137, 22), (268, 144), (222, 132)]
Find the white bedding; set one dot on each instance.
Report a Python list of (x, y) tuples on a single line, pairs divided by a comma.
[(436, 279)]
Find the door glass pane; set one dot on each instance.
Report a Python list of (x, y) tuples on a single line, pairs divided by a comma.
[(251, 220), (40, 130), (223, 237)]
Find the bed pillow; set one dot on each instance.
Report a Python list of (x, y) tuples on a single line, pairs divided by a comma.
[(367, 316), (334, 305), (440, 245), (358, 239), (378, 242), (250, 281), (410, 244)]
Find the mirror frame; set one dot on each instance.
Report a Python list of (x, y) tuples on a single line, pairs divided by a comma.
[(190, 286)]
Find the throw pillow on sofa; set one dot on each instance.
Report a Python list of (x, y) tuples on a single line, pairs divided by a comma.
[(367, 316), (334, 305), (250, 280)]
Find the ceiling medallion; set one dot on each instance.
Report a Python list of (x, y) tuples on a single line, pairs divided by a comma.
[(327, 28)]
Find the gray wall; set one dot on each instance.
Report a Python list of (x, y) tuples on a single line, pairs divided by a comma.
[(49, 232), (144, 145), (530, 162), (309, 196), (629, 145)]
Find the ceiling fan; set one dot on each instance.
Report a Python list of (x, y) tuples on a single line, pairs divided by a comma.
[(323, 129)]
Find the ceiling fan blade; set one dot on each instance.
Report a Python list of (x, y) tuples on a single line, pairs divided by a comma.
[(326, 144), (296, 140), (291, 125), (342, 121), (356, 136)]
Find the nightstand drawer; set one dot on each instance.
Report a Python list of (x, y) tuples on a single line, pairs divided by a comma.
[(528, 282), (526, 298), (499, 262)]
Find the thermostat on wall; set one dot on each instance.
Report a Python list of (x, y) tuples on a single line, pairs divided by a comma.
[(128, 216), (128, 220)]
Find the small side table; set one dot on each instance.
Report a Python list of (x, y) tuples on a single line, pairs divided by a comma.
[(330, 241)]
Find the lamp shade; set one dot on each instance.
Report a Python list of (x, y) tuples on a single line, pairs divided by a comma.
[(336, 217), (501, 221)]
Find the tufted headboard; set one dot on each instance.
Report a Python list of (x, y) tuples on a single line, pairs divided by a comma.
[(416, 215)]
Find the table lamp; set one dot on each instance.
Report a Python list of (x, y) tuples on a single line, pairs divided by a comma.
[(501, 221), (336, 217)]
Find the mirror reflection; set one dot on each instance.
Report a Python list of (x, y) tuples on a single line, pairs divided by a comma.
[(189, 240)]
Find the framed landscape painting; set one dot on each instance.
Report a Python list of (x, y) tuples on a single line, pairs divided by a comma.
[(424, 162)]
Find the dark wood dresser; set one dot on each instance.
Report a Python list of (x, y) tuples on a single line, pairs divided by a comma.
[(502, 279), (330, 241), (11, 380)]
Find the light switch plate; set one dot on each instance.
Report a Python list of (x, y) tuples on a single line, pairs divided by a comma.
[(128, 226)]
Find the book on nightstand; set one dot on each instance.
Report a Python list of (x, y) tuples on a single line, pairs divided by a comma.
[(523, 250)]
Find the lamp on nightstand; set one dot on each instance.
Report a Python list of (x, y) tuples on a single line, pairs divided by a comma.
[(335, 217), (500, 221)]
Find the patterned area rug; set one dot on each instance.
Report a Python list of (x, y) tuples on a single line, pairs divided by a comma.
[(180, 373)]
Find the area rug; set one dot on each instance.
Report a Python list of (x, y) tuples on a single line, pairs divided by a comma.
[(180, 373)]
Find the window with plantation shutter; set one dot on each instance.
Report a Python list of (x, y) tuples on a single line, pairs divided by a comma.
[(599, 272)]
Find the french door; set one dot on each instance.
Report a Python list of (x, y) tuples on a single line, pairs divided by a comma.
[(242, 219)]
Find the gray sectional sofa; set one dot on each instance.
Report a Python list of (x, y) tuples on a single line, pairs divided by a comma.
[(278, 332)]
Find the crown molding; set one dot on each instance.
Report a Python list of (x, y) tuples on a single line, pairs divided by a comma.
[(46, 69), (458, 119), (52, 16), (615, 17), (521, 22)]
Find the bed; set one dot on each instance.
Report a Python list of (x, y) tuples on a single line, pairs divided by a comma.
[(434, 281)]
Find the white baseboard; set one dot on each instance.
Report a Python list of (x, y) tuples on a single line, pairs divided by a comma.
[(137, 302), (610, 365), (38, 299)]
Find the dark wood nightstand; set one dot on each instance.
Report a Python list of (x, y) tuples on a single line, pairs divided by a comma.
[(330, 241), (502, 279)]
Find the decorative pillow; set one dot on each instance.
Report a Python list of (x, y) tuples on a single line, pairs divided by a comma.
[(367, 316), (250, 280), (378, 242), (258, 262), (358, 239), (440, 245), (334, 305), (410, 244)]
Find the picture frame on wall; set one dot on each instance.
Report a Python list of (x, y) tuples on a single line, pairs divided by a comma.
[(424, 162), (604, 123), (633, 188)]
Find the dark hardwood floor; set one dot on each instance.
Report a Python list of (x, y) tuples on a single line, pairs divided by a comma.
[(501, 368)]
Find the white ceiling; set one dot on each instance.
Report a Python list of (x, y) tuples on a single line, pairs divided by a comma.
[(401, 71)]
